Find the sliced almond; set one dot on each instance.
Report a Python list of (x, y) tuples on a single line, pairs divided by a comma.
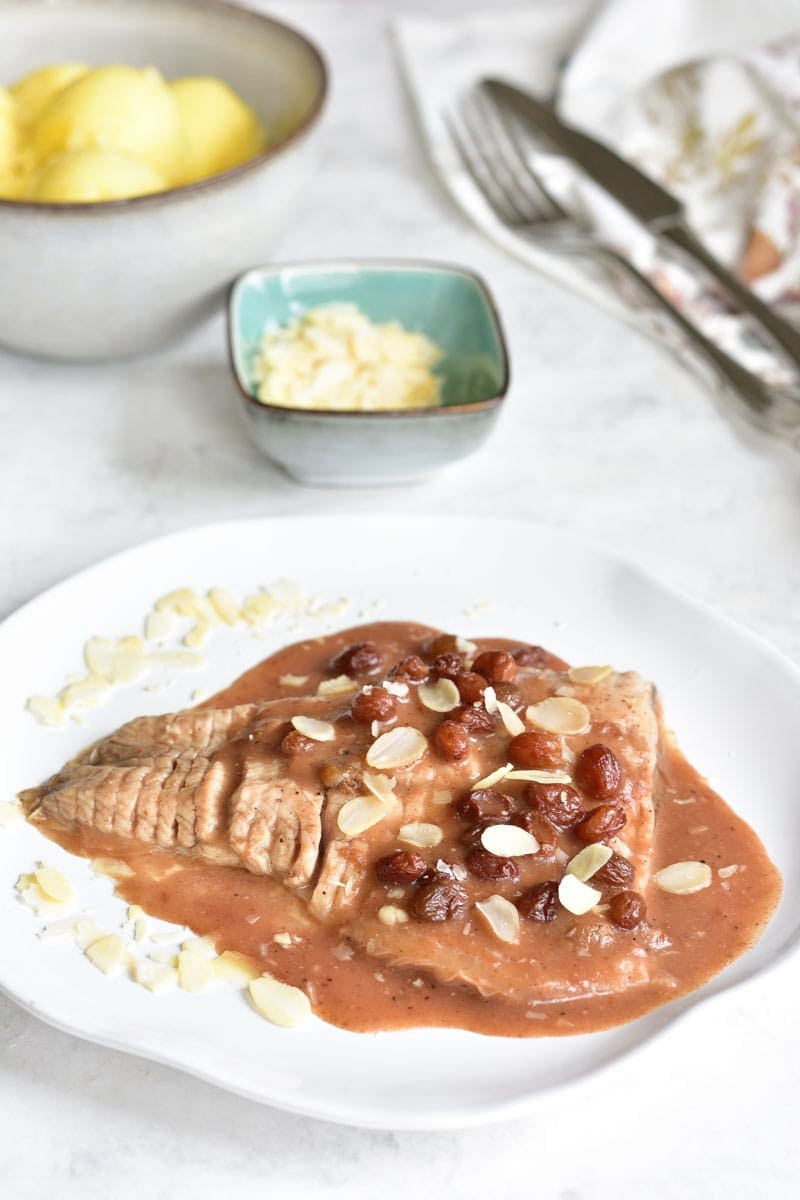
[(589, 860), (226, 606), (156, 977), (159, 625), (390, 914), (58, 931), (337, 687), (490, 700), (559, 714), (577, 897), (278, 1002), (465, 647), (200, 945), (85, 693), (87, 930), (46, 710), (176, 600), (235, 968), (107, 953), (684, 878), (282, 939), (509, 841), (198, 635), (502, 918), (395, 688), (310, 727), (397, 747), (534, 776), (381, 786), (114, 867), (420, 833), (441, 796), (360, 814), (588, 674), (10, 814), (54, 885), (442, 696), (510, 719), (289, 681), (195, 971), (489, 781)]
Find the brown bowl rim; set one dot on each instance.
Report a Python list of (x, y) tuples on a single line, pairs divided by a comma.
[(184, 190), (380, 264)]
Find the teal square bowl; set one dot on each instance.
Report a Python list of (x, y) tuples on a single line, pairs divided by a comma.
[(451, 306)]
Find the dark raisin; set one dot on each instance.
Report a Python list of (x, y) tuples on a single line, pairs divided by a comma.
[(491, 866), (557, 803), (535, 750), (496, 665), (627, 909), (471, 686), (443, 643), (601, 823), (451, 740), (617, 873), (485, 805), (374, 705), (296, 743), (541, 829), (475, 720), (598, 773), (531, 656), (362, 658), (412, 668), (447, 666), (539, 903), (440, 901), (404, 866), (509, 695)]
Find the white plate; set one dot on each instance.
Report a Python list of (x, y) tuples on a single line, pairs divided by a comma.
[(734, 702)]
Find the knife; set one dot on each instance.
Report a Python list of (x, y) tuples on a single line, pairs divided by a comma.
[(654, 207)]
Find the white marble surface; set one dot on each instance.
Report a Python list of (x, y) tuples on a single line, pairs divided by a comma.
[(602, 436)]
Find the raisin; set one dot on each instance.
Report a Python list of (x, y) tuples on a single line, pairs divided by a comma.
[(471, 686), (627, 909), (496, 665), (448, 666), (531, 656), (598, 773), (452, 740), (601, 823), (362, 658), (443, 643), (509, 695), (296, 743), (404, 866), (617, 873), (491, 866), (539, 903), (535, 750), (412, 667), (557, 803), (375, 705), (440, 901), (541, 829), (485, 805), (341, 775), (474, 720)]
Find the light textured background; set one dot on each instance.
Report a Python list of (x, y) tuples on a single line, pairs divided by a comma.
[(602, 436)]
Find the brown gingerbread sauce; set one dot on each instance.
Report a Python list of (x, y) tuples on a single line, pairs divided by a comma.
[(686, 940)]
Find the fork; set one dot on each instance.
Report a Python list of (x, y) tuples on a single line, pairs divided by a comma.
[(491, 153)]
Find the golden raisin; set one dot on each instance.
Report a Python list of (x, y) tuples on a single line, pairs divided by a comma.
[(627, 909), (532, 750), (598, 773), (601, 824), (496, 665)]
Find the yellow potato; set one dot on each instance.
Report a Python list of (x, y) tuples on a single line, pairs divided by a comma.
[(86, 176), (219, 129), (34, 91), (124, 109)]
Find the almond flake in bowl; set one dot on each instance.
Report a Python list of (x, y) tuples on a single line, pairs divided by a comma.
[(360, 814), (577, 897), (489, 781), (310, 727), (420, 833), (559, 714), (502, 918), (512, 722), (509, 841), (683, 878), (442, 696), (397, 748), (589, 860)]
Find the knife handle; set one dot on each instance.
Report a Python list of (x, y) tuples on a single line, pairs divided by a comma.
[(769, 407), (772, 322)]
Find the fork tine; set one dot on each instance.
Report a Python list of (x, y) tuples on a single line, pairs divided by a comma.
[(527, 180), (476, 167), (494, 167)]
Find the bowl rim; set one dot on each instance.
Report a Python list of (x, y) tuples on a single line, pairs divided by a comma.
[(325, 266), (240, 11)]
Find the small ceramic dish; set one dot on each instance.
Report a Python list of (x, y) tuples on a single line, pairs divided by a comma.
[(451, 306)]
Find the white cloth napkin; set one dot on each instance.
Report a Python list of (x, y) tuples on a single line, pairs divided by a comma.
[(703, 94)]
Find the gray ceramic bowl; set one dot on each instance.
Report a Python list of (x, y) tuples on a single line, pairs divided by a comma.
[(450, 305), (97, 281)]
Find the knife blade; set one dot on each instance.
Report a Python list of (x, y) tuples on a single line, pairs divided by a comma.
[(652, 205)]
